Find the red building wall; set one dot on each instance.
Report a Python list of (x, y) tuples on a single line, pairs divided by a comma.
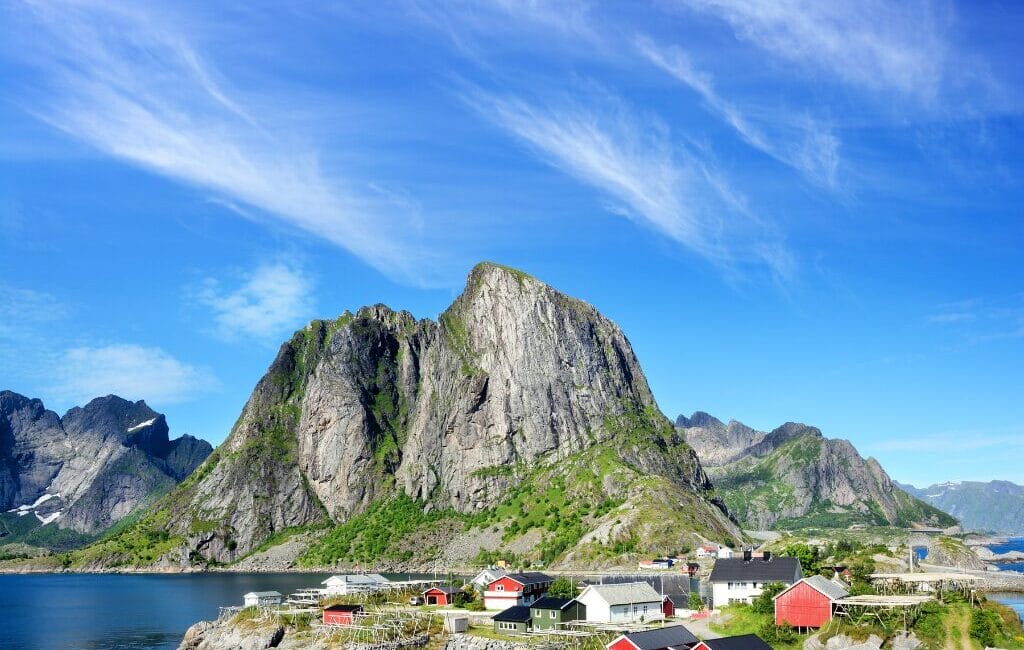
[(667, 608), (509, 584), (435, 597), (621, 644), (803, 606), (338, 618)]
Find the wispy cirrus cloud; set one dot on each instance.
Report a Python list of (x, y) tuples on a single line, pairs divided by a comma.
[(984, 319), (127, 80), (901, 48), (129, 370), (633, 161), (24, 310), (269, 300), (798, 141)]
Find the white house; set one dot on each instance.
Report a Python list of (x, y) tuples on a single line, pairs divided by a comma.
[(262, 598), (724, 553), (705, 551), (487, 576), (741, 579), (627, 602), (356, 583)]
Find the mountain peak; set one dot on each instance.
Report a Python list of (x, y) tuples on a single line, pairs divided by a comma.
[(698, 419)]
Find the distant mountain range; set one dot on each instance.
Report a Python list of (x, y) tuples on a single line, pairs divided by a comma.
[(64, 480), (794, 477), (995, 506)]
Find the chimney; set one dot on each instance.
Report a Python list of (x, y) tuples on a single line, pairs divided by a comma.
[(746, 555), (767, 557)]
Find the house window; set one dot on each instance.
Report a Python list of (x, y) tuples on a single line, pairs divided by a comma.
[(553, 615), (499, 587), (536, 613)]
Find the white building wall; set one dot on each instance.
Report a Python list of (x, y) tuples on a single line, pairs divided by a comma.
[(724, 593), (596, 607)]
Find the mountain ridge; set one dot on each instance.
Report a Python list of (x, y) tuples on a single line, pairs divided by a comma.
[(794, 476), (84, 471), (514, 384), (984, 506)]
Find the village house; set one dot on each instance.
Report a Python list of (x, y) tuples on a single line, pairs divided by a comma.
[(357, 583), (552, 613), (627, 602), (706, 551), (809, 602), (486, 577), (341, 614), (741, 579), (262, 598), (440, 595), (692, 568), (724, 553), (672, 637), (671, 603), (514, 620), (516, 589), (740, 642)]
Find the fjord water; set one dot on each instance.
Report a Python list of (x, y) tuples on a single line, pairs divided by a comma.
[(1012, 544), (123, 612)]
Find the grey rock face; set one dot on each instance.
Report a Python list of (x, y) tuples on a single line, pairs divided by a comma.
[(353, 409), (93, 466), (993, 506), (794, 471)]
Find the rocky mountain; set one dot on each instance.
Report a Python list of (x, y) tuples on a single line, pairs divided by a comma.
[(795, 477), (995, 506), (367, 424), (65, 479)]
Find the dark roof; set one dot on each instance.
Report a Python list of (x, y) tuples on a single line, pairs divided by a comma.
[(517, 614), (777, 569), (343, 608), (530, 578), (672, 636), (678, 599), (741, 642), (550, 602)]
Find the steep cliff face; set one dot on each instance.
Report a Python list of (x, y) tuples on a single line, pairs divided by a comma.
[(87, 470), (793, 476), (453, 414)]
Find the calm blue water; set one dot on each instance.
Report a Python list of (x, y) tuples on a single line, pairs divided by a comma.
[(1015, 601), (123, 612), (1013, 544)]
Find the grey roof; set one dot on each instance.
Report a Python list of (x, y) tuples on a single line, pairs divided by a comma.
[(679, 600), (530, 578), (265, 594), (517, 614), (741, 642), (672, 636), (550, 602), (777, 569), (828, 587), (629, 592)]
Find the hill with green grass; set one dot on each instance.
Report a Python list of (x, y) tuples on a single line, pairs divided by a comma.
[(794, 477)]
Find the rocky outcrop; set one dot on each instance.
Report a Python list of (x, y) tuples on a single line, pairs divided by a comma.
[(219, 635), (794, 476), (452, 413), (85, 471)]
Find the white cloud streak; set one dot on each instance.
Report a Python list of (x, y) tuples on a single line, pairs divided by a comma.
[(272, 299), (23, 310), (129, 370), (805, 145), (882, 46), (634, 163), (126, 81)]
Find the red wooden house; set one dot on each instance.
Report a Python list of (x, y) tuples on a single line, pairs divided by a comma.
[(516, 589), (441, 595), (341, 614), (809, 602)]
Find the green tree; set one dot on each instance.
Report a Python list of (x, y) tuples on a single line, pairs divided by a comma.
[(986, 627), (695, 601), (810, 561), (562, 587), (765, 602)]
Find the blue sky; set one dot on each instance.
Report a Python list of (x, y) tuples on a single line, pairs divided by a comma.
[(795, 210)]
